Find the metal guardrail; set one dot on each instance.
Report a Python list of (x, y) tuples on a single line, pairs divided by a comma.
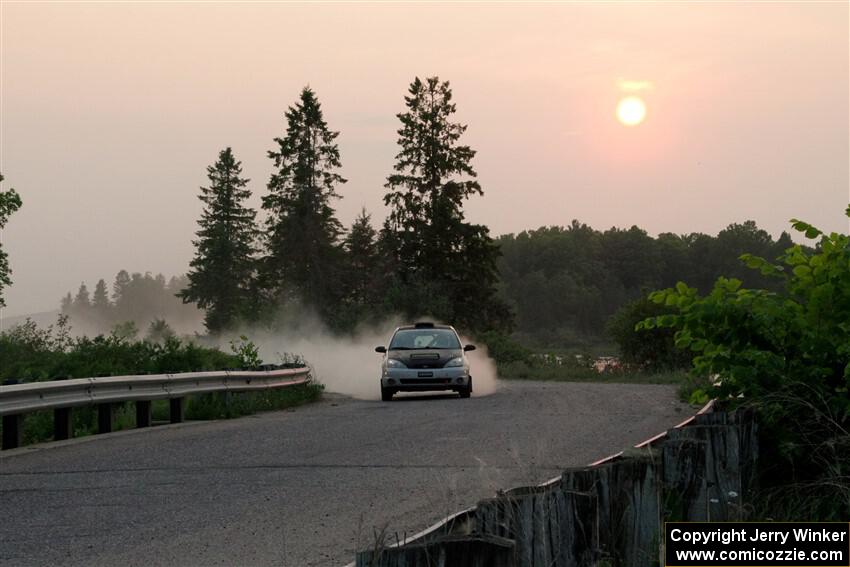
[(62, 395)]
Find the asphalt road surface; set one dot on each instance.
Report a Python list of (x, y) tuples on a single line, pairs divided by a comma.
[(305, 487)]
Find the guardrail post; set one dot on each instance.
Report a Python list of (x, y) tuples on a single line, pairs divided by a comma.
[(176, 410), (13, 429), (143, 413), (62, 424), (104, 418)]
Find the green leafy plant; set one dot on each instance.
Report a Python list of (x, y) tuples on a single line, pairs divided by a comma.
[(29, 353), (653, 351), (246, 351), (787, 354)]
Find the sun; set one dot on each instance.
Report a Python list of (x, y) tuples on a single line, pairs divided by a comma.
[(631, 111)]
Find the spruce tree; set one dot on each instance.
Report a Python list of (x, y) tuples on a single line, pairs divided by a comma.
[(362, 277), (302, 231), (100, 300), (82, 302), (10, 202), (359, 245), (122, 280), (445, 266), (221, 274), (66, 304)]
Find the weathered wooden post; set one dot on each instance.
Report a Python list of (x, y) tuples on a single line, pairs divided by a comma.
[(683, 486), (720, 487), (627, 507)]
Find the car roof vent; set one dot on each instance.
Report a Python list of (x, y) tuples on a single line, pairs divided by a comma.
[(424, 325)]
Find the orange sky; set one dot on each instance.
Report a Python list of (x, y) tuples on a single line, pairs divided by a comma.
[(111, 112)]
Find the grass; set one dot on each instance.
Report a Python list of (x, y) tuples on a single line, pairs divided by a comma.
[(577, 373), (38, 426)]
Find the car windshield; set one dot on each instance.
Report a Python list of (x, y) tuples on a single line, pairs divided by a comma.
[(408, 339)]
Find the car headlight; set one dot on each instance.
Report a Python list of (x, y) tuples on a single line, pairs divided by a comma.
[(395, 363), (455, 362)]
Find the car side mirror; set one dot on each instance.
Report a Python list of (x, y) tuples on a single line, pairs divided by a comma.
[(380, 349), (468, 348)]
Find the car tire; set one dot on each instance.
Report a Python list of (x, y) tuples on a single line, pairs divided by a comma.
[(466, 392), (386, 394)]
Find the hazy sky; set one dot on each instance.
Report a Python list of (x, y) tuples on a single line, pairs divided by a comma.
[(112, 111)]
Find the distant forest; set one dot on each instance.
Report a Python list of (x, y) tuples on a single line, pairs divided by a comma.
[(563, 284), (135, 306)]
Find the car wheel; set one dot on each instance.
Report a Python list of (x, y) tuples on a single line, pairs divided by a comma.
[(466, 392), (386, 394)]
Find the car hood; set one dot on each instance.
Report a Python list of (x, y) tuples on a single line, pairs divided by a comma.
[(425, 358)]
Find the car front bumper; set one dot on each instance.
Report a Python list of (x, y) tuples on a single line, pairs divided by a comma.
[(421, 379)]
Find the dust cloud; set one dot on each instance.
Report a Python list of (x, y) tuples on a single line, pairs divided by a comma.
[(345, 365), (350, 365)]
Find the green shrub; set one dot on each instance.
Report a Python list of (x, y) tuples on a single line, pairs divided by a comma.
[(787, 354), (29, 354), (653, 350), (503, 349)]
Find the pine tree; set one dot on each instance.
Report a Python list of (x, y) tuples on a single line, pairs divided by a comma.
[(82, 302), (362, 278), (120, 301), (359, 245), (302, 231), (100, 300), (66, 304), (10, 202), (445, 265), (221, 274), (122, 280)]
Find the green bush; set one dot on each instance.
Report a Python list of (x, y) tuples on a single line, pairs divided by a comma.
[(787, 354), (503, 349), (652, 351), (29, 354)]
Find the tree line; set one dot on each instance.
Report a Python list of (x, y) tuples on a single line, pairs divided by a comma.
[(136, 303), (566, 283), (552, 286), (425, 259)]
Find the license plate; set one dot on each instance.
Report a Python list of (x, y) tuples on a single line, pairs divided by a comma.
[(426, 374)]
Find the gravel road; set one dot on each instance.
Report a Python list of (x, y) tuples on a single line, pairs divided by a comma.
[(305, 487)]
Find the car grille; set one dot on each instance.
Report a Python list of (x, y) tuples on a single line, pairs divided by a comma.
[(425, 380)]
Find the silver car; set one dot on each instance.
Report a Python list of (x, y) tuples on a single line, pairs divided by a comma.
[(424, 357)]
